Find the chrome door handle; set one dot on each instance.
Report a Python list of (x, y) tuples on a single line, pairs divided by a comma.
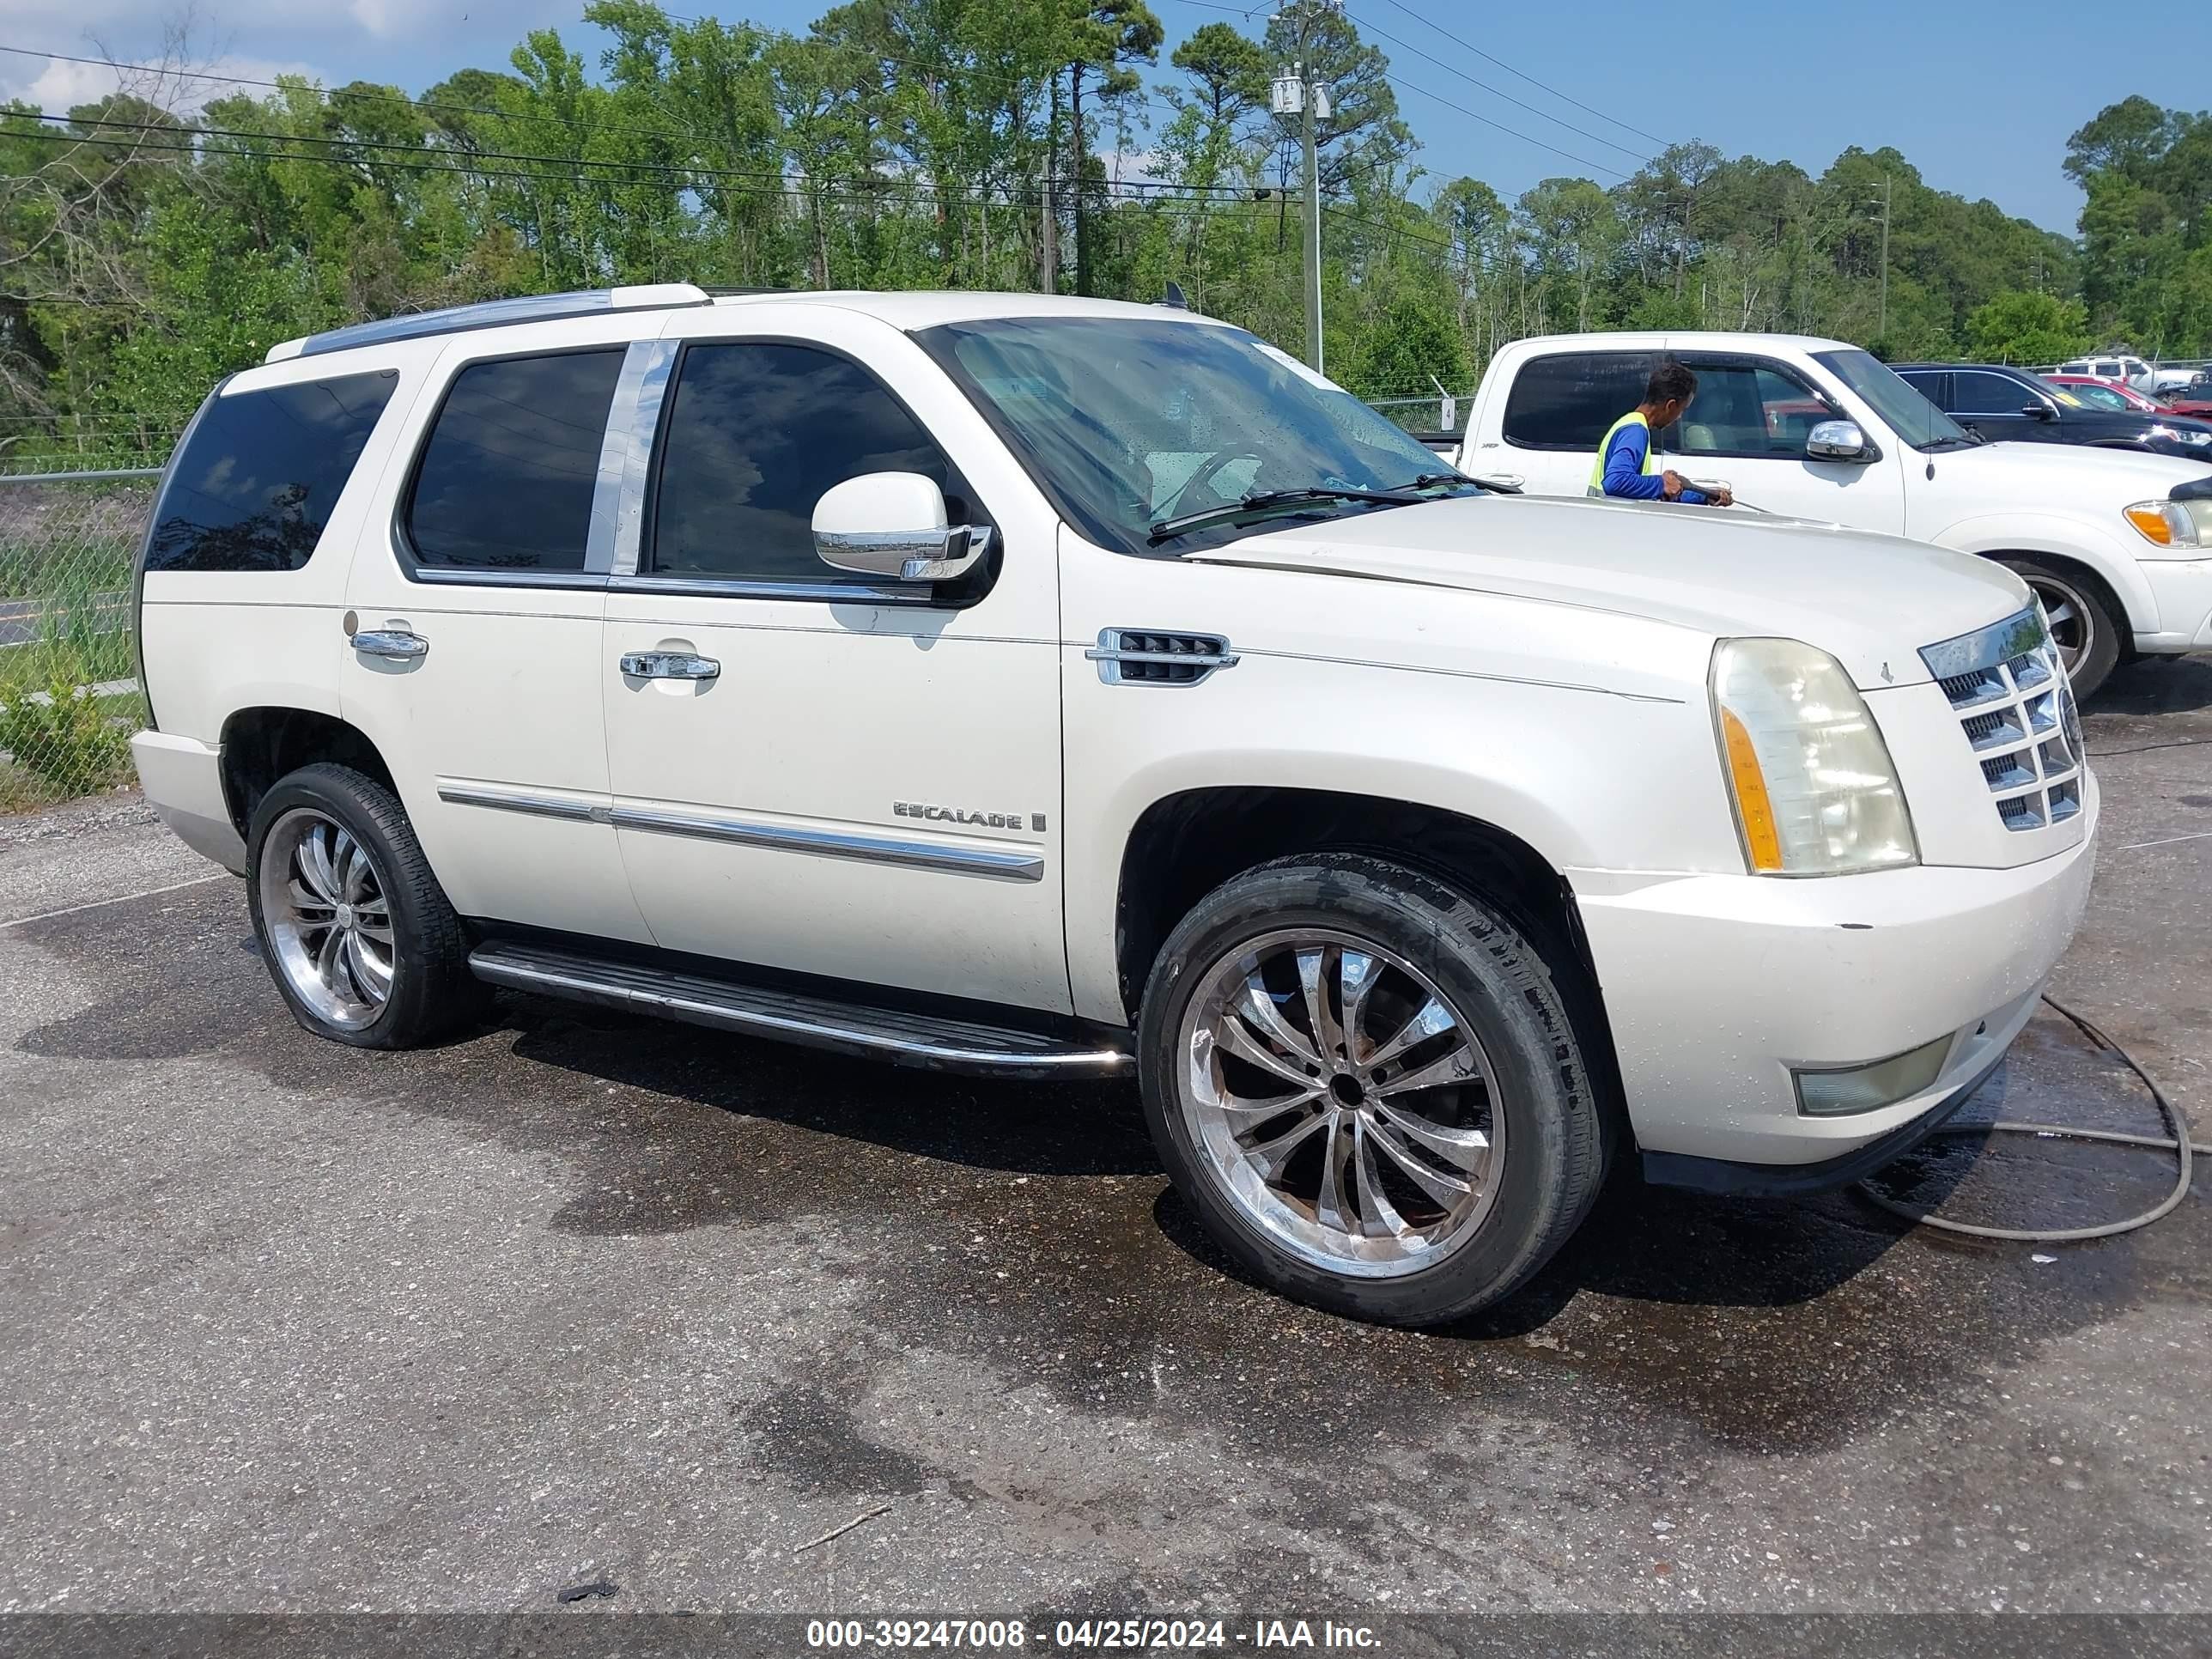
[(669, 666), (393, 644)]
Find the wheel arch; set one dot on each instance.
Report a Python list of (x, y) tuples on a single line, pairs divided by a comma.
[(262, 743), (1189, 842)]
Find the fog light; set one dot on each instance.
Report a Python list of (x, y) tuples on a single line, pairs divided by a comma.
[(1868, 1088)]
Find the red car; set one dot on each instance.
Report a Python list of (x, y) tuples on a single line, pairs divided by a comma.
[(2107, 394), (2195, 400)]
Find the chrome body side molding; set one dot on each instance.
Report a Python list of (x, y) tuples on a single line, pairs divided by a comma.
[(996, 864), (903, 1038), (1003, 863)]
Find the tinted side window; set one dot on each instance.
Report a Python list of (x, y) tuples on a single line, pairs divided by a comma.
[(505, 479), (256, 484), (1749, 410), (1567, 401), (758, 431), (1987, 394), (1928, 383)]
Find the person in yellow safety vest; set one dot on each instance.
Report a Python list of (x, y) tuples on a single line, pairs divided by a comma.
[(1627, 467)]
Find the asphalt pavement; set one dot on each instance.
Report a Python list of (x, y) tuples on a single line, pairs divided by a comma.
[(594, 1301)]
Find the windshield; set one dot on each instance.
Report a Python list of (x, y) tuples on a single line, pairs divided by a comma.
[(1126, 425), (2102, 396), (1911, 416)]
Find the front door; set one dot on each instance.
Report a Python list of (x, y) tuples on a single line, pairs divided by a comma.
[(1748, 428), (1995, 406), (816, 771)]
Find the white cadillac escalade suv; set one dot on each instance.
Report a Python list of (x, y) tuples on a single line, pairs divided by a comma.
[(1056, 688)]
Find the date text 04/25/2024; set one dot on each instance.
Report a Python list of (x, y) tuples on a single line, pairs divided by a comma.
[(1093, 1635)]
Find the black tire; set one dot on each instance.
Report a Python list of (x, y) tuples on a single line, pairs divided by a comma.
[(2095, 650), (1555, 1155), (431, 994)]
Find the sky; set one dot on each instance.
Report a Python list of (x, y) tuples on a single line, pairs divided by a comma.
[(1981, 100)]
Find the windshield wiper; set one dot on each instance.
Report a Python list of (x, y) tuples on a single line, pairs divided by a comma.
[(1431, 480), (1168, 529)]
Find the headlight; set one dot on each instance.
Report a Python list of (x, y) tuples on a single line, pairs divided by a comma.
[(1814, 791), (2172, 524)]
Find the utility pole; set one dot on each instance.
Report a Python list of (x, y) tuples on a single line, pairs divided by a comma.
[(1881, 325), (1300, 83)]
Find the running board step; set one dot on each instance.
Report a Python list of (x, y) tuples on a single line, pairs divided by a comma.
[(906, 1039)]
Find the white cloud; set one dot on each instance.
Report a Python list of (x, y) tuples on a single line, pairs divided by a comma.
[(56, 84)]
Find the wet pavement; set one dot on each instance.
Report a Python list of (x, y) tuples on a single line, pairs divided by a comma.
[(587, 1298)]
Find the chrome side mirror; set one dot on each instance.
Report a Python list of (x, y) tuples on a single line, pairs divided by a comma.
[(892, 524), (1837, 440)]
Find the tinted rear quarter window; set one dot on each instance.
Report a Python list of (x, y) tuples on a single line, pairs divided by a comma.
[(1567, 401), (506, 478), (261, 473)]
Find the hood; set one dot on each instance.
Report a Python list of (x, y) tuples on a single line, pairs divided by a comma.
[(2073, 475), (1870, 601)]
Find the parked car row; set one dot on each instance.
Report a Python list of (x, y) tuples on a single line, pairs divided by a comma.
[(1996, 402), (1058, 688)]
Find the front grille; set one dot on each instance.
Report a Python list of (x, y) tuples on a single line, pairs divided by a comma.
[(2017, 712)]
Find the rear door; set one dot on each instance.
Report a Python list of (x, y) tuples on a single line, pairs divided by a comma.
[(1558, 410), (474, 617), (1748, 428)]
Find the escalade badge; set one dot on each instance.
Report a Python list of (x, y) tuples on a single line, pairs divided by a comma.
[(914, 809)]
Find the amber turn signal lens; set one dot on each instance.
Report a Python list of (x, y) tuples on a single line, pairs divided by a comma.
[(1761, 840), (2152, 523)]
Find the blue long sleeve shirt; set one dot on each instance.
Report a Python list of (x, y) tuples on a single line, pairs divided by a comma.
[(1625, 475)]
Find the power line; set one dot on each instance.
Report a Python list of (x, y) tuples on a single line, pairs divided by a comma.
[(794, 184), (467, 163), (1460, 40), (1543, 115), (1511, 132)]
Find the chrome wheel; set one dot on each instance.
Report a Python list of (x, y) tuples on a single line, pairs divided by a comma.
[(325, 908), (2073, 619), (1342, 1101)]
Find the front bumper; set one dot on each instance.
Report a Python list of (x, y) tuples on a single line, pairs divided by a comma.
[(2181, 590), (183, 780), (1717, 987)]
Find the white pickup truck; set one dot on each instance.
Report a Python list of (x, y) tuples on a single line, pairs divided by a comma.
[(1055, 688), (2117, 546)]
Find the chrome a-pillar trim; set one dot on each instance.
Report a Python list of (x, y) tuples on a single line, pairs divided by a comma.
[(625, 455), (992, 864)]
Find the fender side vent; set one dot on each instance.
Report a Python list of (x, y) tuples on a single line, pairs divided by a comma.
[(1142, 656)]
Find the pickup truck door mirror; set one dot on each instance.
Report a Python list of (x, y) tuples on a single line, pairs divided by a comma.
[(892, 524), (1840, 441)]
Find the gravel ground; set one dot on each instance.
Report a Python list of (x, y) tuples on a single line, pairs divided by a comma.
[(588, 1299)]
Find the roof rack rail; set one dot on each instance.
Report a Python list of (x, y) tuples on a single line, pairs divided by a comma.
[(492, 313)]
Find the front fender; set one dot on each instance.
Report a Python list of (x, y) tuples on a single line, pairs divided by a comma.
[(2106, 552), (1588, 779)]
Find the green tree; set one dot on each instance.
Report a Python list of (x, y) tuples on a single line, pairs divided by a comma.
[(1413, 342), (2014, 327)]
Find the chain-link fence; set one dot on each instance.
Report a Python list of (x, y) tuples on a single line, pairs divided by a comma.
[(1425, 417), (69, 687)]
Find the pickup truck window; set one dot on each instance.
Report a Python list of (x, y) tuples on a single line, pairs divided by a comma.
[(1568, 400), (758, 431), (261, 473), (1748, 410), (1910, 415), (505, 479), (1123, 424)]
